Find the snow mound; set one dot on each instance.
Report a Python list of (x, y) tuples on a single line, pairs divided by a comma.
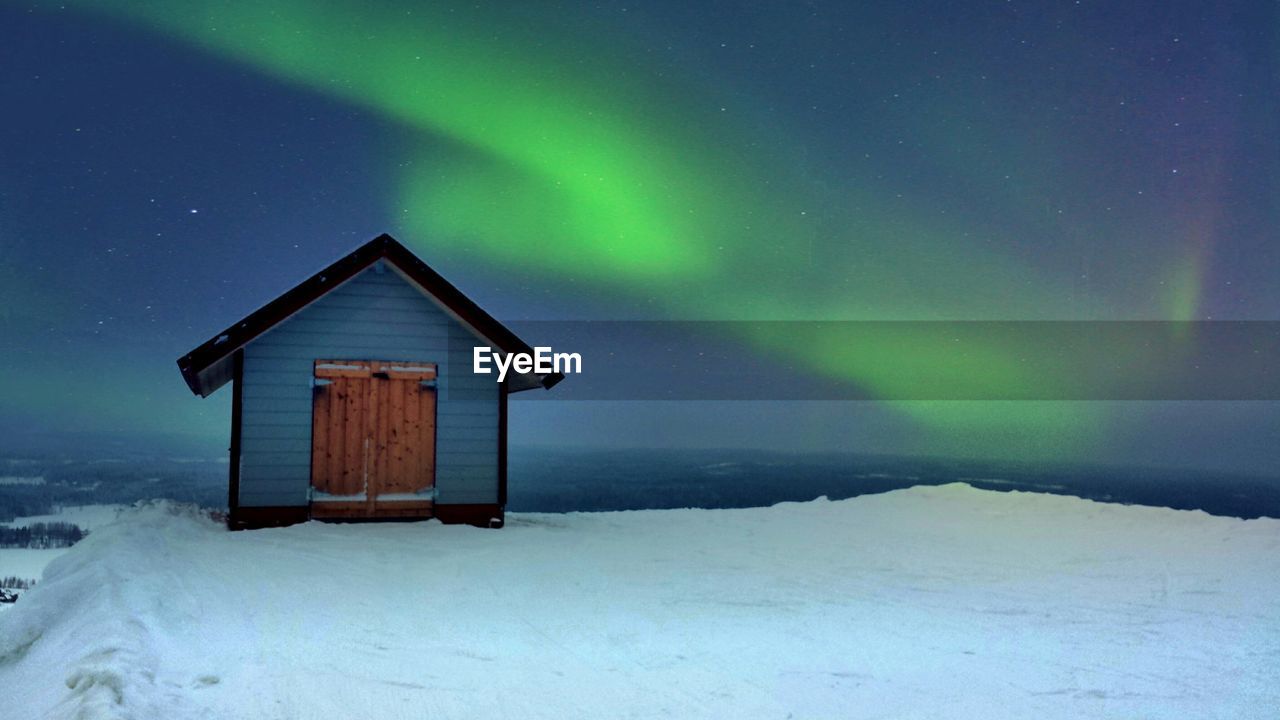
[(83, 640), (930, 602)]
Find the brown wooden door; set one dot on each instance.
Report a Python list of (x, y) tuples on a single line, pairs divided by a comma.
[(373, 438)]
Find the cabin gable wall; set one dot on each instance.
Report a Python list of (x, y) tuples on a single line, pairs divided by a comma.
[(377, 315)]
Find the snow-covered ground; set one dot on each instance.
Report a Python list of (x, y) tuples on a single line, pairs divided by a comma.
[(26, 563), (932, 602)]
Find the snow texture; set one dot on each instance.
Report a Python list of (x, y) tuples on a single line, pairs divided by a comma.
[(932, 602)]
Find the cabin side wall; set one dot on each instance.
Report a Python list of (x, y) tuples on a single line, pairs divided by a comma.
[(377, 315)]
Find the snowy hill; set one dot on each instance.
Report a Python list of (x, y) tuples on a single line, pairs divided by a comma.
[(932, 602)]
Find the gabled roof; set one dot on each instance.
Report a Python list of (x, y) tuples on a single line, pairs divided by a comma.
[(209, 366)]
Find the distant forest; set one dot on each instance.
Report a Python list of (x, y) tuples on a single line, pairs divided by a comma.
[(41, 535), (563, 480)]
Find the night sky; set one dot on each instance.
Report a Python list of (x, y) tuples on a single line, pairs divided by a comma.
[(166, 168)]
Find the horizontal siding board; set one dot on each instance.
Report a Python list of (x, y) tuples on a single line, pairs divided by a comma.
[(358, 341), (469, 411), (453, 434), (282, 376), (275, 417), (479, 475), (374, 279), (471, 422), (471, 471), (410, 331), (349, 309), (464, 394), (278, 396), (301, 352), (467, 496), (249, 498), (280, 459), (277, 476), (279, 487), (369, 290), (358, 311), (295, 371), (282, 494), (484, 383), (476, 473), (374, 316), (476, 490), (459, 460), (254, 444), (275, 432)]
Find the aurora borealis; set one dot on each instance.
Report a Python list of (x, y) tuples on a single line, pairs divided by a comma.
[(828, 162)]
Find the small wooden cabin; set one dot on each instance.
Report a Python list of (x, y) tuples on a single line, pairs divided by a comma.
[(353, 397)]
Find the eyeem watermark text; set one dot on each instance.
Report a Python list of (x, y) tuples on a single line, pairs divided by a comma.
[(543, 362)]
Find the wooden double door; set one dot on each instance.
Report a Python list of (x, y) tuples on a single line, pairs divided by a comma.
[(373, 439)]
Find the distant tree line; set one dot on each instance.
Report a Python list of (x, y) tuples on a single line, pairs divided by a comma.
[(11, 582), (41, 535)]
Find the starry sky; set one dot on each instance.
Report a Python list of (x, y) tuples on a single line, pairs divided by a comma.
[(166, 168)]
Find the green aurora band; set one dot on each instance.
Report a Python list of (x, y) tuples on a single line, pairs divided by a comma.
[(557, 159)]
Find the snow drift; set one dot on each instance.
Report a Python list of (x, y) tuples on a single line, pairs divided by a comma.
[(944, 602)]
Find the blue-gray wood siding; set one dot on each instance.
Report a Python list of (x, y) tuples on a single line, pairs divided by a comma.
[(377, 315)]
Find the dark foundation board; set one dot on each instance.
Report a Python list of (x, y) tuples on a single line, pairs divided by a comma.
[(484, 515), (248, 518)]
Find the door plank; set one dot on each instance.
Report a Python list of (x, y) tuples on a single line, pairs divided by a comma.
[(427, 437), (407, 480), (353, 437), (378, 434), (337, 446), (399, 438), (366, 441), (321, 396), (370, 431)]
